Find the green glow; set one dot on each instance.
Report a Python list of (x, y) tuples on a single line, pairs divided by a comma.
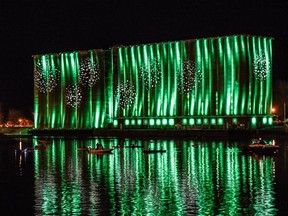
[(152, 122), (205, 121), (127, 122), (158, 121), (171, 122), (192, 178), (270, 121), (164, 121), (184, 121), (133, 122), (213, 121), (254, 122), (225, 83), (139, 122), (115, 123), (55, 110), (192, 121), (198, 121), (265, 121), (220, 121)]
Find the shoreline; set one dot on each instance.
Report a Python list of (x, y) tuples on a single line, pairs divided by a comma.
[(171, 133), (142, 133)]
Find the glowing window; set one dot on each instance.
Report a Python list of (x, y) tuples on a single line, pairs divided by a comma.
[(133, 122), (264, 120), (191, 121), (220, 121), (164, 121), (158, 122), (270, 121), (199, 121), (171, 121), (213, 121), (115, 122), (139, 122), (184, 121), (253, 122), (152, 122), (205, 121), (126, 122)]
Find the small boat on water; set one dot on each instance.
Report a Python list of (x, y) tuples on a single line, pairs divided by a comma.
[(84, 148), (259, 146), (134, 146), (29, 149), (44, 141), (150, 151), (100, 151), (25, 150)]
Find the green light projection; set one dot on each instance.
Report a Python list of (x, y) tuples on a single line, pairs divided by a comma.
[(225, 76), (225, 66), (76, 99)]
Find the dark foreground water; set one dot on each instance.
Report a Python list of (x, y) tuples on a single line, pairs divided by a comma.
[(193, 177)]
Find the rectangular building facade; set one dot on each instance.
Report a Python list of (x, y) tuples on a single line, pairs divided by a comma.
[(219, 82)]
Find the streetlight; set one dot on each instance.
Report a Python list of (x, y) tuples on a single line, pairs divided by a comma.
[(273, 110), (20, 122)]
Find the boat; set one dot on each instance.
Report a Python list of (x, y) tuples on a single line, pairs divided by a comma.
[(259, 146), (29, 149), (149, 151), (25, 150), (44, 141), (84, 148), (134, 146), (100, 151)]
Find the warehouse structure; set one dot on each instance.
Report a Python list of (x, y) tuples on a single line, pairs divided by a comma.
[(220, 82)]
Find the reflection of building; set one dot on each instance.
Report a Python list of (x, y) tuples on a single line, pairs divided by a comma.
[(208, 83)]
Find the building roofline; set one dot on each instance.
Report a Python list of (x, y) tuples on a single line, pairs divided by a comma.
[(154, 43)]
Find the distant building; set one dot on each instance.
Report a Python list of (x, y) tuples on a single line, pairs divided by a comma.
[(220, 82)]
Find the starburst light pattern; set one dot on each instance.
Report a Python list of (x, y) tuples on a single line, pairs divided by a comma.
[(125, 94), (261, 66), (50, 81), (89, 73), (73, 96), (189, 76), (150, 73)]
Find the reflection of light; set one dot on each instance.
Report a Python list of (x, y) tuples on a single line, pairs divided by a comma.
[(193, 177), (20, 145)]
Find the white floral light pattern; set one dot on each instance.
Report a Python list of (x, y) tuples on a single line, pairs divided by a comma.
[(49, 83), (73, 96), (89, 73), (189, 76), (125, 94), (151, 73), (261, 66)]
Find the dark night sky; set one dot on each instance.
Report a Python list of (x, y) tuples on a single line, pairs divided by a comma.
[(43, 26)]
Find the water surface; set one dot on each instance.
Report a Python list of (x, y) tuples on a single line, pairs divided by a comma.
[(193, 177)]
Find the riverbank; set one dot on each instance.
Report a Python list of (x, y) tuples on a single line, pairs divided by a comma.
[(142, 133), (15, 131), (123, 133)]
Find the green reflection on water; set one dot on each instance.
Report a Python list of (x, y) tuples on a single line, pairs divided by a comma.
[(192, 177)]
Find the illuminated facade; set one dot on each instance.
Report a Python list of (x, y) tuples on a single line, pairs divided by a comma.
[(219, 82)]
